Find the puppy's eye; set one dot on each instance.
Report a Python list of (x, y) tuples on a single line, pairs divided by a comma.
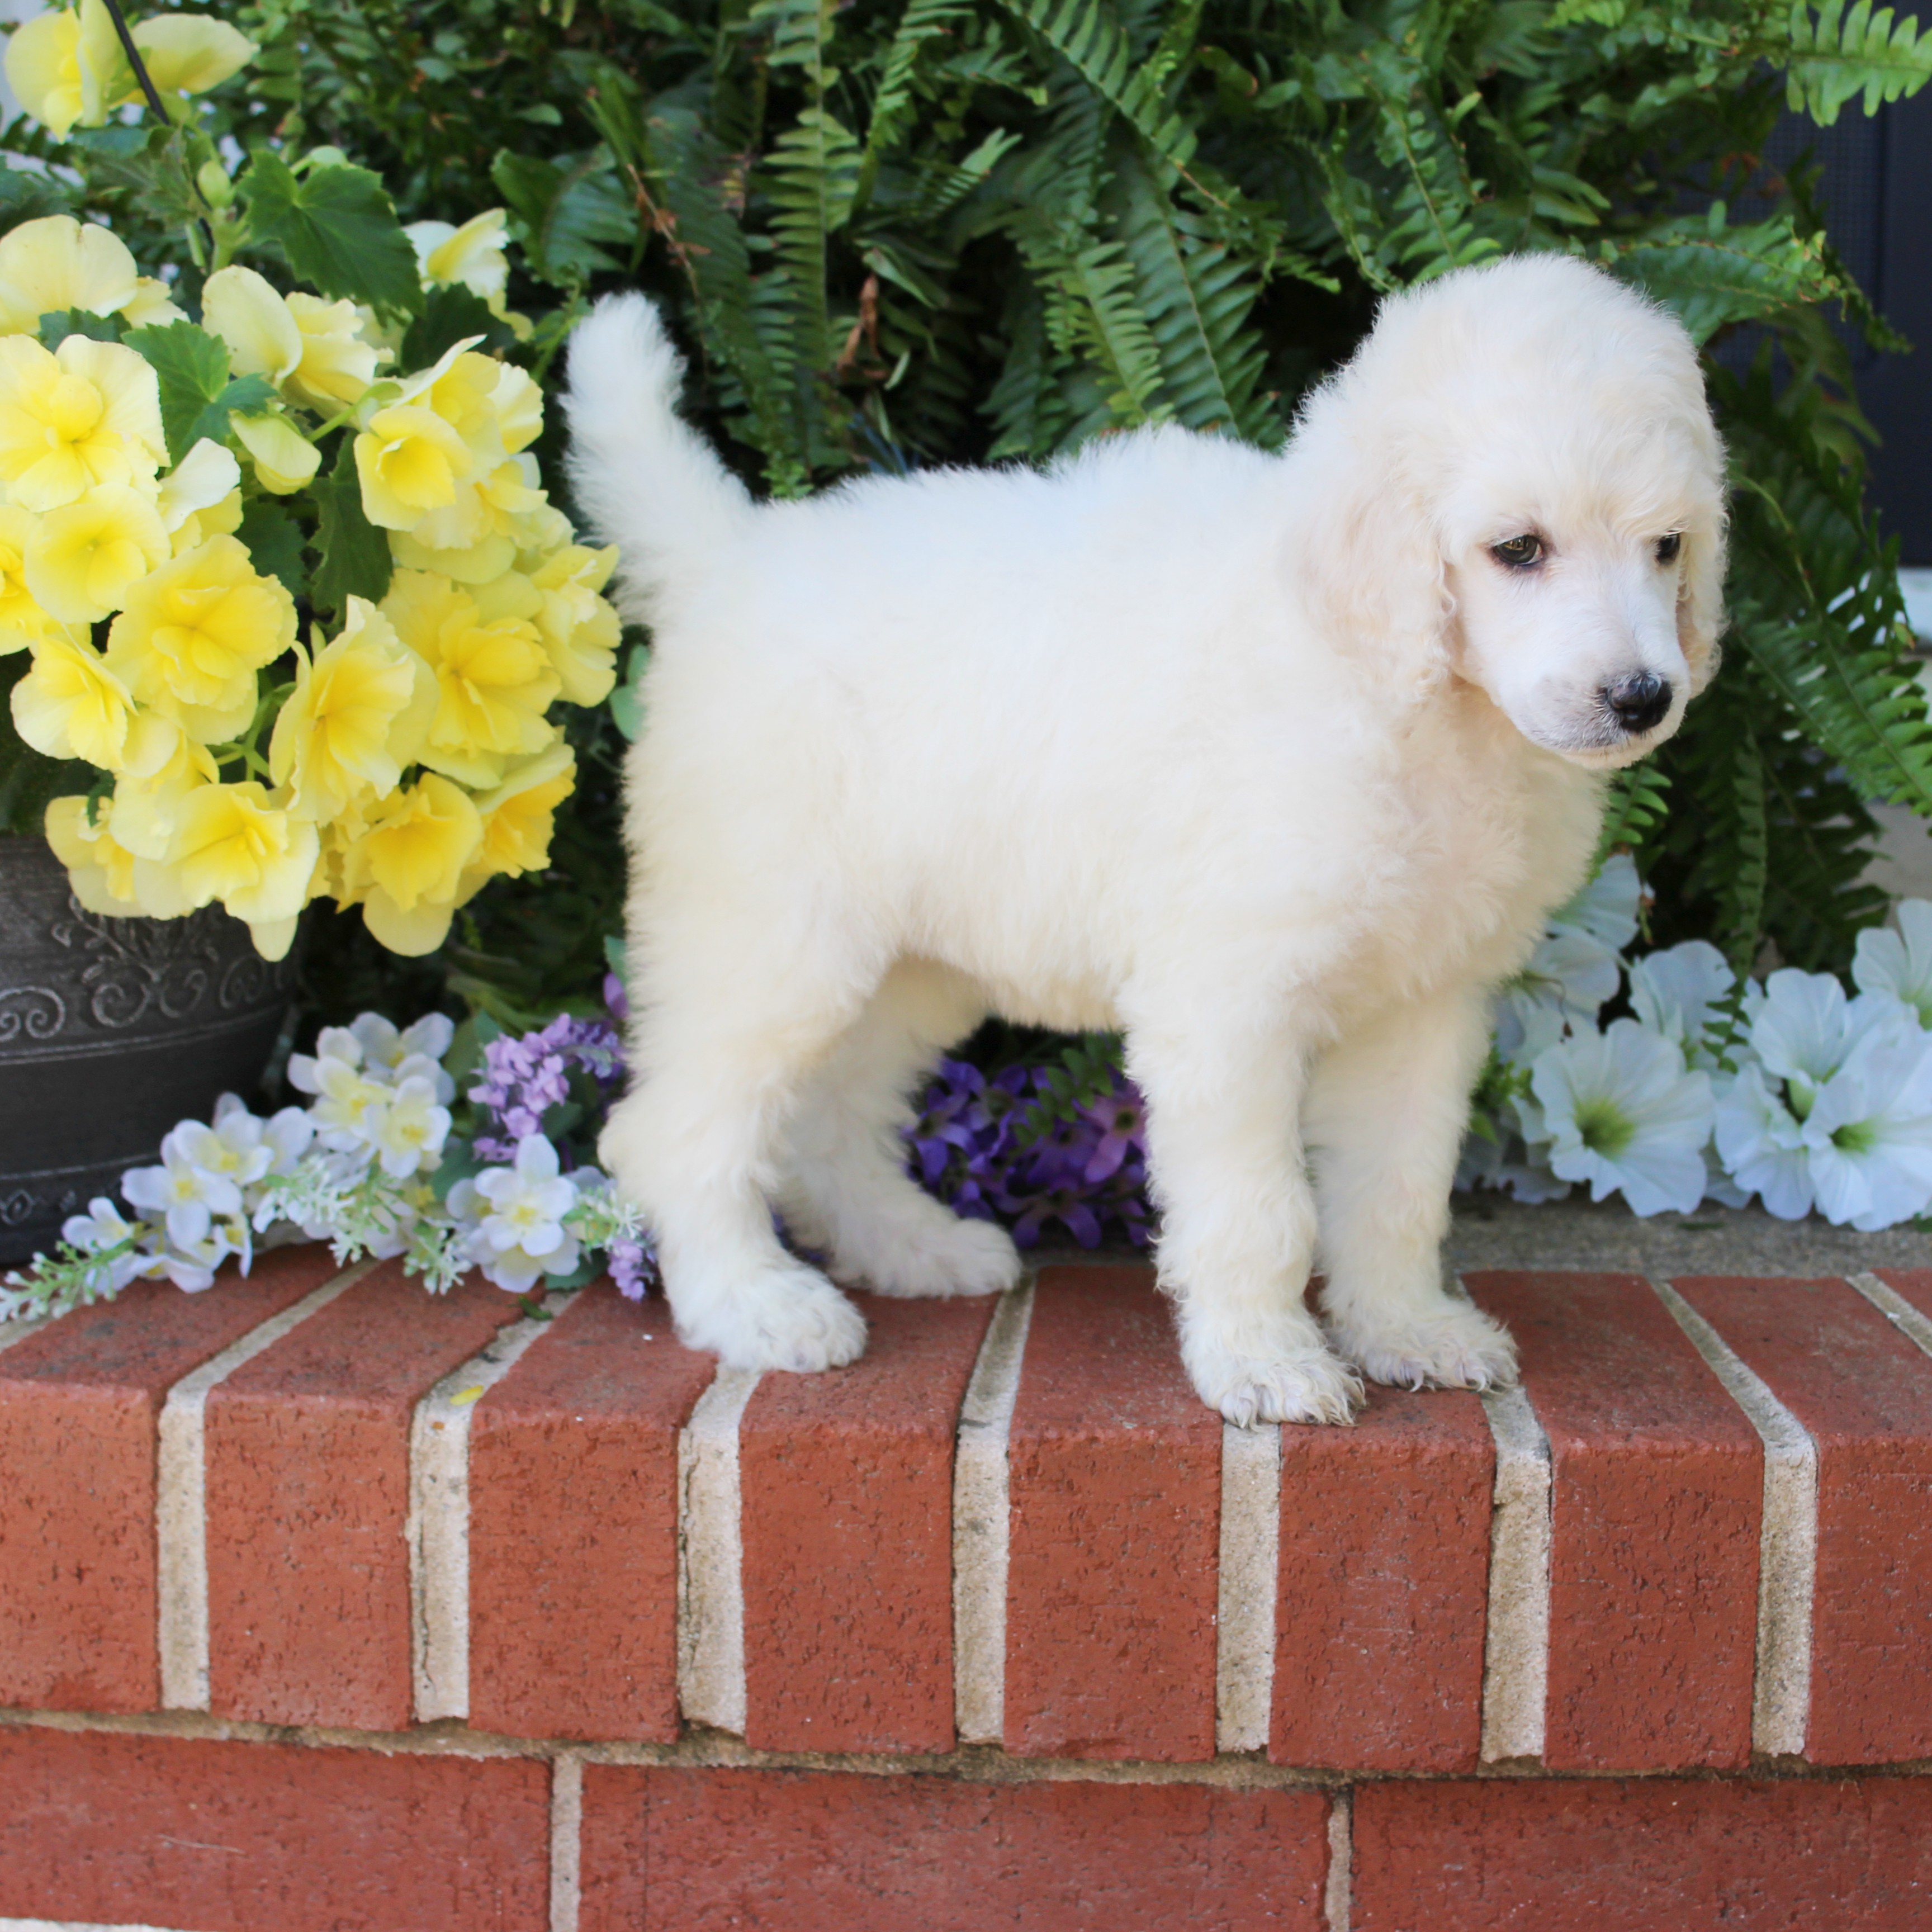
[(1668, 548), (1518, 553)]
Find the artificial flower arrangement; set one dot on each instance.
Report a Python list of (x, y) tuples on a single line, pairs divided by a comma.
[(287, 572), (1712, 1087)]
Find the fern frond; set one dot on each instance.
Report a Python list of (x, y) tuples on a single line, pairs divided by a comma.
[(1634, 807), (1710, 273), (1830, 54)]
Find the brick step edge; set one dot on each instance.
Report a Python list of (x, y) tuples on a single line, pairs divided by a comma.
[(1698, 1536)]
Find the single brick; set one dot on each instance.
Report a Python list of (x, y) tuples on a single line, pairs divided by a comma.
[(847, 1513), (229, 1837), (1657, 1488), (79, 1407), (1114, 1474), (684, 1851), (1864, 1392), (308, 1491), (573, 1527), (1647, 1855), (1384, 1588)]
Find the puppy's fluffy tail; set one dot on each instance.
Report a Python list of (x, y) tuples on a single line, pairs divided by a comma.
[(644, 480)]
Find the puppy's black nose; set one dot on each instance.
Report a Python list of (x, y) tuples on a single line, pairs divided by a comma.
[(1639, 702)]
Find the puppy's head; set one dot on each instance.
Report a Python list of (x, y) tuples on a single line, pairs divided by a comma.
[(1516, 481)]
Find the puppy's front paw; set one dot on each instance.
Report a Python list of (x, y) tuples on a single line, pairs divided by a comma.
[(952, 1257), (1451, 1346), (789, 1318), (1296, 1383)]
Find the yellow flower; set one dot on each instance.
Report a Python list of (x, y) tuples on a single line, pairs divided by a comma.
[(409, 461), (161, 767), (152, 307), (357, 715), (100, 870), (195, 632), (189, 53), (338, 363), (65, 67), (204, 479), (238, 843), (285, 459), (580, 627), (58, 263), (88, 413), (493, 678), (407, 868), (70, 705), (472, 255), (84, 558), (244, 310), (519, 814), (479, 563), (22, 622)]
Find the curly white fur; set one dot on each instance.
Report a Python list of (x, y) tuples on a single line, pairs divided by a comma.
[(1267, 760)]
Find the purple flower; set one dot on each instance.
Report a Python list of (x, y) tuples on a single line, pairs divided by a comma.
[(634, 1267), (524, 1077)]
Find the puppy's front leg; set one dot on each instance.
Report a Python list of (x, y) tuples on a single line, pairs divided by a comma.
[(1386, 1107), (1223, 1089)]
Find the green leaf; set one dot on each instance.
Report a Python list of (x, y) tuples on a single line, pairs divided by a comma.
[(197, 393), (627, 700), (338, 230), (1828, 59), (1711, 275), (355, 560), (563, 211), (449, 315), (58, 324), (275, 540)]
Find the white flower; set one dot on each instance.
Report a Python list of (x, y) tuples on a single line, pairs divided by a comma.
[(1851, 1134), (513, 1217), (1606, 910), (415, 1050), (182, 1193), (409, 1130), (1899, 963), (102, 1227), (1528, 1020), (346, 1101), (1677, 993), (236, 1145), (1573, 971), (1623, 1114)]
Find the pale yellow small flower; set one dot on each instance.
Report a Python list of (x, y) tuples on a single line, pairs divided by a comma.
[(189, 53), (476, 563), (71, 706), (239, 845), (407, 868), (58, 263), (472, 255), (581, 629), (100, 869), (195, 632), (246, 311), (22, 622), (86, 414), (285, 459), (207, 476), (84, 558), (519, 815), (161, 767), (493, 677), (221, 519), (357, 715), (409, 461), (153, 306), (338, 361), (66, 67)]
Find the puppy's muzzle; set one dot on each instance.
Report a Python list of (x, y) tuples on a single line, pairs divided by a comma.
[(1638, 702)]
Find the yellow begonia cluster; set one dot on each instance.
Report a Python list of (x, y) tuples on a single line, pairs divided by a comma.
[(66, 67), (397, 766)]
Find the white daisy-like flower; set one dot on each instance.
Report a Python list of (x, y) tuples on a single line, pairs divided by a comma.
[(1677, 992), (102, 1227), (1899, 963), (1622, 1113), (186, 1196), (511, 1218)]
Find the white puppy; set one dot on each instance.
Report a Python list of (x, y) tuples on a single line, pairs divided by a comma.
[(1275, 763)]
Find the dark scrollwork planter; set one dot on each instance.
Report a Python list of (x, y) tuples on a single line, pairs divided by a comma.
[(111, 1030)]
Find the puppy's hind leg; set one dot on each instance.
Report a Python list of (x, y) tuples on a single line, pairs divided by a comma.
[(844, 1187), (1223, 1084), (1386, 1113), (720, 1057)]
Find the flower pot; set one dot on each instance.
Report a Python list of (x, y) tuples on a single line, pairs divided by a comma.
[(111, 1030)]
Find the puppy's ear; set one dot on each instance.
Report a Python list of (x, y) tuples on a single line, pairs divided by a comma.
[(1368, 561), (1700, 604)]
